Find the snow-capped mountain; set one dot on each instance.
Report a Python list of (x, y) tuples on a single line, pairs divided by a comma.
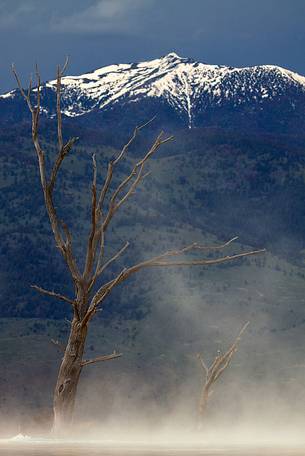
[(182, 91)]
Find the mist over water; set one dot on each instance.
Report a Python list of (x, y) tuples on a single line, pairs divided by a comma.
[(147, 403), (172, 446)]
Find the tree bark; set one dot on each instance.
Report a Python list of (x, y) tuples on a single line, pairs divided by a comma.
[(68, 378)]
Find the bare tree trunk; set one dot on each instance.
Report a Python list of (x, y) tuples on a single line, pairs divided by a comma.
[(68, 378), (203, 405)]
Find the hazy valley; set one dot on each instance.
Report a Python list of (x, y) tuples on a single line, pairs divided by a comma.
[(236, 172)]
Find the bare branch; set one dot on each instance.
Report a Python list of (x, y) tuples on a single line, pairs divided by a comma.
[(35, 111), (221, 362), (38, 81), (65, 65), (53, 294), (59, 159), (137, 174), (58, 344), (215, 363), (99, 359), (161, 261), (112, 259), (106, 185), (58, 110), (226, 358), (67, 252), (113, 163), (27, 96), (65, 247), (131, 140), (194, 246), (94, 232), (99, 296), (97, 235), (218, 366), (243, 329), (99, 259), (202, 363)]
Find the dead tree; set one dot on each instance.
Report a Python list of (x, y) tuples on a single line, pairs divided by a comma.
[(90, 291), (212, 373)]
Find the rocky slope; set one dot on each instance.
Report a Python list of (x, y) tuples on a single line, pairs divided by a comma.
[(183, 93)]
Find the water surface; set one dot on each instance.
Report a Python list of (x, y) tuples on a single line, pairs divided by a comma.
[(90, 449)]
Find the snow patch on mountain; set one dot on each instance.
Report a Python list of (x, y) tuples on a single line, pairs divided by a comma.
[(182, 83)]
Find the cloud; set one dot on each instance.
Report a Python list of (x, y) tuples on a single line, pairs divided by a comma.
[(104, 16), (10, 18), (233, 32)]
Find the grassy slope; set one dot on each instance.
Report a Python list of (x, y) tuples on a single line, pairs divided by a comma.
[(161, 318)]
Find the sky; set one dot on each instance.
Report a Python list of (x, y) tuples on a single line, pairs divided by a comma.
[(94, 33)]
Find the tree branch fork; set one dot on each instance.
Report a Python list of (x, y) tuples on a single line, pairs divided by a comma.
[(221, 361)]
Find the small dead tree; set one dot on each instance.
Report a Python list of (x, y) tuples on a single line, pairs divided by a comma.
[(90, 291), (212, 373)]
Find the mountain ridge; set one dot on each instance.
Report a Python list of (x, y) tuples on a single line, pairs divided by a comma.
[(192, 93)]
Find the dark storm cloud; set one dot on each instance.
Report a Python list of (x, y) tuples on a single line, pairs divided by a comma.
[(97, 32), (106, 16)]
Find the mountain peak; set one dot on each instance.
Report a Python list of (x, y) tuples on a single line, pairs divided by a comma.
[(189, 89), (172, 56)]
